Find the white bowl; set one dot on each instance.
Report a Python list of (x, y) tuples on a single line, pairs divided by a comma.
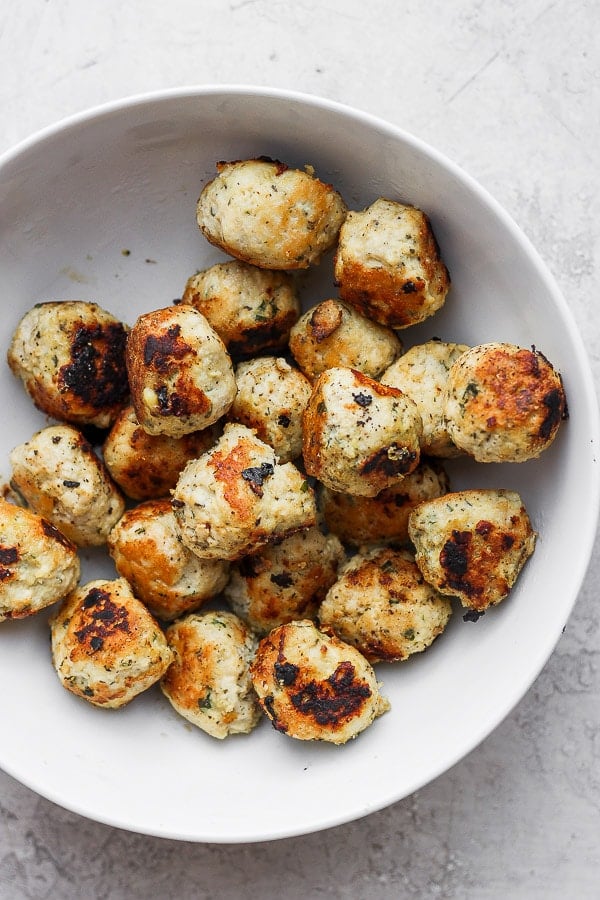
[(126, 177)]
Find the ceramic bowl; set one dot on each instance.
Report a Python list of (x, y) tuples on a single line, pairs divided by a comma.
[(102, 207)]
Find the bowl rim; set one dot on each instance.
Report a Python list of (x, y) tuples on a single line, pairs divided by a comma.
[(589, 409)]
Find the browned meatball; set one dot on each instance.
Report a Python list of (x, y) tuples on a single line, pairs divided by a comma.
[(146, 466), (359, 436), (382, 605), (313, 686), (180, 374), (38, 564), (237, 498), (334, 334), (165, 575), (251, 309), (285, 581), (71, 358), (503, 403), (275, 217), (106, 647), (472, 544), (388, 264), (384, 518)]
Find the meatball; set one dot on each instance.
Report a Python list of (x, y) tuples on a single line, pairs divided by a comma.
[(62, 479), (388, 264), (285, 581), (313, 686), (106, 647), (472, 544), (209, 681), (334, 334), (503, 403), (180, 373), (165, 575), (38, 564), (236, 498), (422, 374), (382, 605), (267, 214), (384, 518), (359, 436), (70, 356), (251, 309), (271, 398), (146, 466)]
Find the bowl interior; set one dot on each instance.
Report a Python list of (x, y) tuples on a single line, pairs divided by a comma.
[(103, 208)]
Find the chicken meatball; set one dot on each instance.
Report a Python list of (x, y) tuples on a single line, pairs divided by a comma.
[(62, 479), (422, 374), (180, 373), (382, 605), (503, 403), (313, 686), (388, 264), (146, 466), (38, 564), (251, 309), (236, 498), (285, 581), (271, 398), (359, 436), (382, 519), (106, 647), (70, 356), (269, 215), (334, 334), (165, 575), (472, 544), (209, 681)]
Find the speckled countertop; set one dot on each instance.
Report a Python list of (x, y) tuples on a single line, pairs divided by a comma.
[(511, 91)]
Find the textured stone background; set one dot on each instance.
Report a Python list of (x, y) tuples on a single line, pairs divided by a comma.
[(511, 91)]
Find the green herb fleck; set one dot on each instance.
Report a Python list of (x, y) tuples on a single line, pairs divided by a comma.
[(471, 390), (204, 702)]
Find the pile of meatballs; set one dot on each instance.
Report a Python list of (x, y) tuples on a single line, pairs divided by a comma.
[(269, 483)]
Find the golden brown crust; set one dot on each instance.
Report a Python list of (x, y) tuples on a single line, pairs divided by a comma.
[(237, 498), (382, 605), (251, 309), (505, 402), (38, 564), (238, 489), (384, 518), (163, 573), (313, 686), (352, 442), (313, 430), (472, 544), (106, 646), (145, 547), (333, 333), (397, 295), (71, 357), (190, 670), (146, 466), (101, 623), (273, 217), (325, 320), (209, 681), (180, 373), (156, 348), (286, 581)]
